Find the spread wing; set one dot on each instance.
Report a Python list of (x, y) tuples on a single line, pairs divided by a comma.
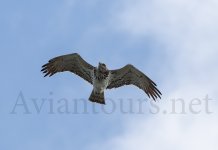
[(71, 62), (131, 75)]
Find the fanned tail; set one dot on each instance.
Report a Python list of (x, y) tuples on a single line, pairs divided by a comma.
[(97, 97)]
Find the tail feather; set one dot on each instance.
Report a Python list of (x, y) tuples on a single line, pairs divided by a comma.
[(97, 97)]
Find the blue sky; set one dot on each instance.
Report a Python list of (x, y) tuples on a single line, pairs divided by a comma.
[(173, 42)]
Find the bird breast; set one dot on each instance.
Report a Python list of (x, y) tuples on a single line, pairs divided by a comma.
[(100, 85)]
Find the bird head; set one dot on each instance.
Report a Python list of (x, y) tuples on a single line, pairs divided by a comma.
[(102, 67)]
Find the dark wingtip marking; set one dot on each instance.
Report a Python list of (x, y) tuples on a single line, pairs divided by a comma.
[(159, 92), (44, 65), (153, 97), (148, 95), (159, 96), (46, 74), (51, 74), (43, 69), (153, 83)]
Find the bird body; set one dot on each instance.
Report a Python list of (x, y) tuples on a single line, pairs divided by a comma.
[(100, 77), (100, 81), (100, 85)]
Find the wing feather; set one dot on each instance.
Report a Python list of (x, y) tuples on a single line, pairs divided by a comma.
[(71, 62), (130, 75)]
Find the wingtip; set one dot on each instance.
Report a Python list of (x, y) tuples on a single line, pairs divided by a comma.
[(43, 69), (46, 74), (44, 65)]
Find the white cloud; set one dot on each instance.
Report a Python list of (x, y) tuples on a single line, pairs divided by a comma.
[(168, 132), (183, 25)]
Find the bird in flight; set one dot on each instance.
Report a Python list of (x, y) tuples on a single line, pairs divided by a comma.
[(101, 77)]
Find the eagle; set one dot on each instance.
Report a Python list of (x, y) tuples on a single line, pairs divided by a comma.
[(101, 77)]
